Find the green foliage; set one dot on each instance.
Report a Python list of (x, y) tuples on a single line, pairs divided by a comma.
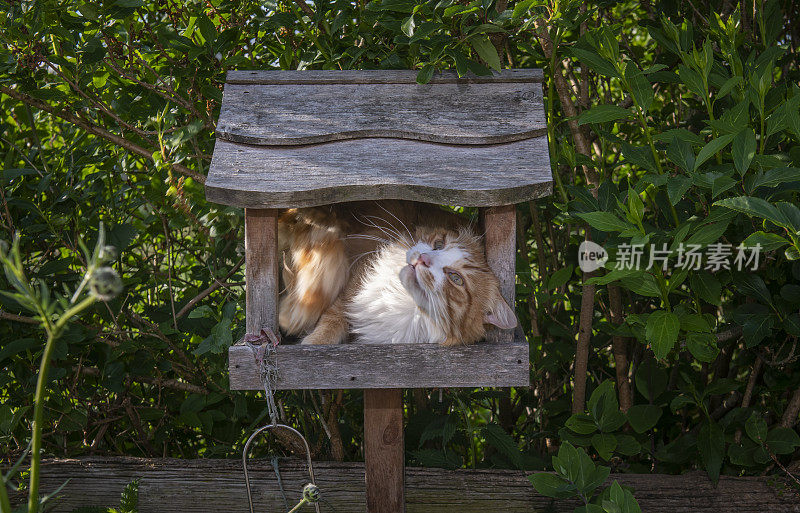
[(577, 476), (690, 117), (129, 502)]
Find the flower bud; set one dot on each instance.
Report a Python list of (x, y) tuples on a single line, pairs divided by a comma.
[(105, 284)]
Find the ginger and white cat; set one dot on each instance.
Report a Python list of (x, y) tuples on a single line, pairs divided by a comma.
[(388, 272)]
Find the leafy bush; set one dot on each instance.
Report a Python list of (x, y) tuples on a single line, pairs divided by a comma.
[(669, 124)]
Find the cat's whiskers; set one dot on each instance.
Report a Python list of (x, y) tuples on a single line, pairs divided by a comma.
[(410, 237), (359, 257), (365, 236), (389, 230)]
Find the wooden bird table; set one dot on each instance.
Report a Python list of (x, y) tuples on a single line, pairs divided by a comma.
[(290, 139)]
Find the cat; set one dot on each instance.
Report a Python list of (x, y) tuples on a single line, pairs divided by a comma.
[(386, 272)]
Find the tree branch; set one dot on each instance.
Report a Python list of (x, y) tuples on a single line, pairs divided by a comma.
[(619, 347), (792, 410), (19, 318), (157, 382), (96, 130), (214, 286)]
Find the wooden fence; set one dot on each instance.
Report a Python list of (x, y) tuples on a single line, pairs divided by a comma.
[(203, 486)]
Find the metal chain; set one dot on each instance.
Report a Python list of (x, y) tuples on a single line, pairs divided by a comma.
[(266, 356)]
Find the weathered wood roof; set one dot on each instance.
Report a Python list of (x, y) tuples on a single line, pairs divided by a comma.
[(303, 138)]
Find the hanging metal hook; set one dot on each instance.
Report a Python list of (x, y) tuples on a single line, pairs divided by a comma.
[(246, 451)]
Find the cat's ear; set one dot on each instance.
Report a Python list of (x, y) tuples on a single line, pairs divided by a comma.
[(501, 315)]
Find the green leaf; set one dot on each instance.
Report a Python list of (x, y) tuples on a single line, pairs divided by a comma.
[(743, 150), (728, 86), (581, 423), (643, 417), (712, 148), (651, 379), (425, 74), (622, 501), (662, 332), (603, 401), (599, 64), (505, 445), (677, 187), (522, 8), (192, 404), (711, 445), (791, 323), (605, 221), (643, 284), (791, 213), (693, 80), (791, 293), (486, 50), (768, 241), (783, 440), (560, 277), (635, 207), (627, 445), (408, 26), (207, 29), (551, 485), (707, 286), (640, 87), (754, 207), (756, 428), (604, 444), (703, 346), (775, 177), (201, 312), (603, 114), (753, 285), (694, 322), (680, 152)]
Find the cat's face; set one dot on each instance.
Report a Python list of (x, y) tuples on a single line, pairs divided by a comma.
[(449, 279)]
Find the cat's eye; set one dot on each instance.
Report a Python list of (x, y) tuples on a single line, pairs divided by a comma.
[(456, 278), (439, 244)]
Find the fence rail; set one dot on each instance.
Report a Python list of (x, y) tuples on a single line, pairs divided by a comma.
[(187, 486)]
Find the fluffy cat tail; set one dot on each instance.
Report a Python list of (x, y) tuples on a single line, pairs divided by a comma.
[(315, 268)]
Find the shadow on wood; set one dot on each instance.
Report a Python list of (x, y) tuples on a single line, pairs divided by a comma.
[(171, 485)]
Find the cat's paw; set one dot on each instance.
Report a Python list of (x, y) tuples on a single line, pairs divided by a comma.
[(314, 340)]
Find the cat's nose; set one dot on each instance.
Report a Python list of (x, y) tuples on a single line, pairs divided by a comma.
[(424, 259)]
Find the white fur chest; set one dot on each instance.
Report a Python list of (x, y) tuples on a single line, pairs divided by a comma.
[(383, 311)]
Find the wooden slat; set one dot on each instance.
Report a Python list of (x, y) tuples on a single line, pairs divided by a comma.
[(386, 366), (261, 269), (372, 169), (448, 113), (201, 486), (384, 451), (374, 77), (500, 228)]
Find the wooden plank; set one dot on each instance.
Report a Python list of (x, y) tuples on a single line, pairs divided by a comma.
[(386, 366), (373, 169), (261, 269), (375, 77), (200, 486), (448, 113), (384, 451), (500, 238)]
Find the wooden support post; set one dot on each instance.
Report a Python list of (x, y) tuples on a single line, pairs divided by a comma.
[(384, 450), (261, 269), (500, 226)]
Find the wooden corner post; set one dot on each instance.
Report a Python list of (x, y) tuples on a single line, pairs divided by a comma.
[(500, 228), (261, 269), (384, 450)]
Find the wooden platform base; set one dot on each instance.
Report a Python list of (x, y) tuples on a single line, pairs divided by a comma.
[(350, 366), (202, 486)]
